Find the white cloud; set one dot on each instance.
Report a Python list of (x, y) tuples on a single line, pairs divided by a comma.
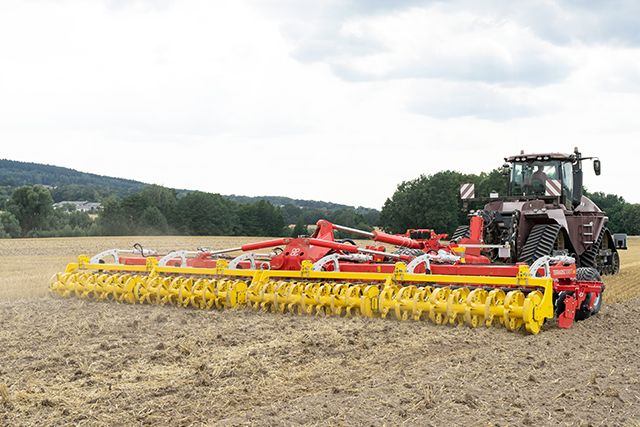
[(432, 43)]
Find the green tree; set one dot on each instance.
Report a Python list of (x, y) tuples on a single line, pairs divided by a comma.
[(162, 198), (291, 213), (206, 214), (153, 221), (75, 192), (371, 216), (58, 219), (9, 225), (260, 219), (81, 220), (426, 202), (311, 216), (300, 229), (614, 206), (486, 183), (32, 205), (112, 220), (132, 208), (140, 210), (270, 219), (5, 195), (630, 220)]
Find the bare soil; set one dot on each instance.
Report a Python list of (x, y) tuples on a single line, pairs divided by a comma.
[(71, 362), (86, 363)]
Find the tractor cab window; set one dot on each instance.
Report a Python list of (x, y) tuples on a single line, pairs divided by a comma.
[(567, 183), (532, 178)]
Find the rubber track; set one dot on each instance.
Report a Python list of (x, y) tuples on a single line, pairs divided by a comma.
[(540, 242), (461, 232), (588, 258)]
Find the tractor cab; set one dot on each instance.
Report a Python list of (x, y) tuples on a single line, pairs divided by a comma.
[(551, 176)]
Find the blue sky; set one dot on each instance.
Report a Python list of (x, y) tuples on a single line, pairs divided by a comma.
[(332, 100)]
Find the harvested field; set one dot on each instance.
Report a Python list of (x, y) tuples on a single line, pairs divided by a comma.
[(87, 363)]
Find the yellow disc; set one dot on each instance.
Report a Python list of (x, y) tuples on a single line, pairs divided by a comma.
[(494, 306), (369, 300), (352, 298), (456, 304), (531, 303), (475, 307), (386, 300), (513, 306), (404, 302), (438, 299)]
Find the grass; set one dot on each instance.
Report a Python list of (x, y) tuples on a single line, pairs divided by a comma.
[(26, 265)]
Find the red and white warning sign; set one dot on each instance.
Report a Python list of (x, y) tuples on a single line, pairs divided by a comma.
[(467, 191), (552, 187)]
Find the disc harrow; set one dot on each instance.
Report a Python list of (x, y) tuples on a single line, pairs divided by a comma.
[(437, 284), (320, 293)]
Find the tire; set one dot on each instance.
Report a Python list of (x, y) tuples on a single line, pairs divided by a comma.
[(615, 268), (589, 274), (409, 252)]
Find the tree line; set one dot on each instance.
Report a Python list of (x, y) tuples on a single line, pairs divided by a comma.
[(157, 210), (429, 201), (623, 217)]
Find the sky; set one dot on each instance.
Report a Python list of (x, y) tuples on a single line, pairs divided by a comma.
[(336, 100)]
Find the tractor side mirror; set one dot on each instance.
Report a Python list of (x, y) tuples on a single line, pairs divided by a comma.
[(505, 169), (596, 166)]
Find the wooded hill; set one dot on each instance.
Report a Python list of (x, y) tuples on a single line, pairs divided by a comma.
[(70, 184)]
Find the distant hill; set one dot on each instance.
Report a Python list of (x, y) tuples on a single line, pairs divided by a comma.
[(15, 174), (73, 184), (301, 203)]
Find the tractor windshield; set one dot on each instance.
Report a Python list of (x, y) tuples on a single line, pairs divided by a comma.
[(536, 178)]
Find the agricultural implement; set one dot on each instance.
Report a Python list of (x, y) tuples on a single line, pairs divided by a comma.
[(424, 278)]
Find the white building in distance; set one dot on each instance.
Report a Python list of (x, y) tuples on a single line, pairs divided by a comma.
[(80, 205)]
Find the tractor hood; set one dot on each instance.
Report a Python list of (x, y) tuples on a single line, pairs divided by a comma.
[(587, 205), (520, 205), (528, 206)]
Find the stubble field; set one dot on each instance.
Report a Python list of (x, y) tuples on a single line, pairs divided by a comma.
[(87, 363)]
